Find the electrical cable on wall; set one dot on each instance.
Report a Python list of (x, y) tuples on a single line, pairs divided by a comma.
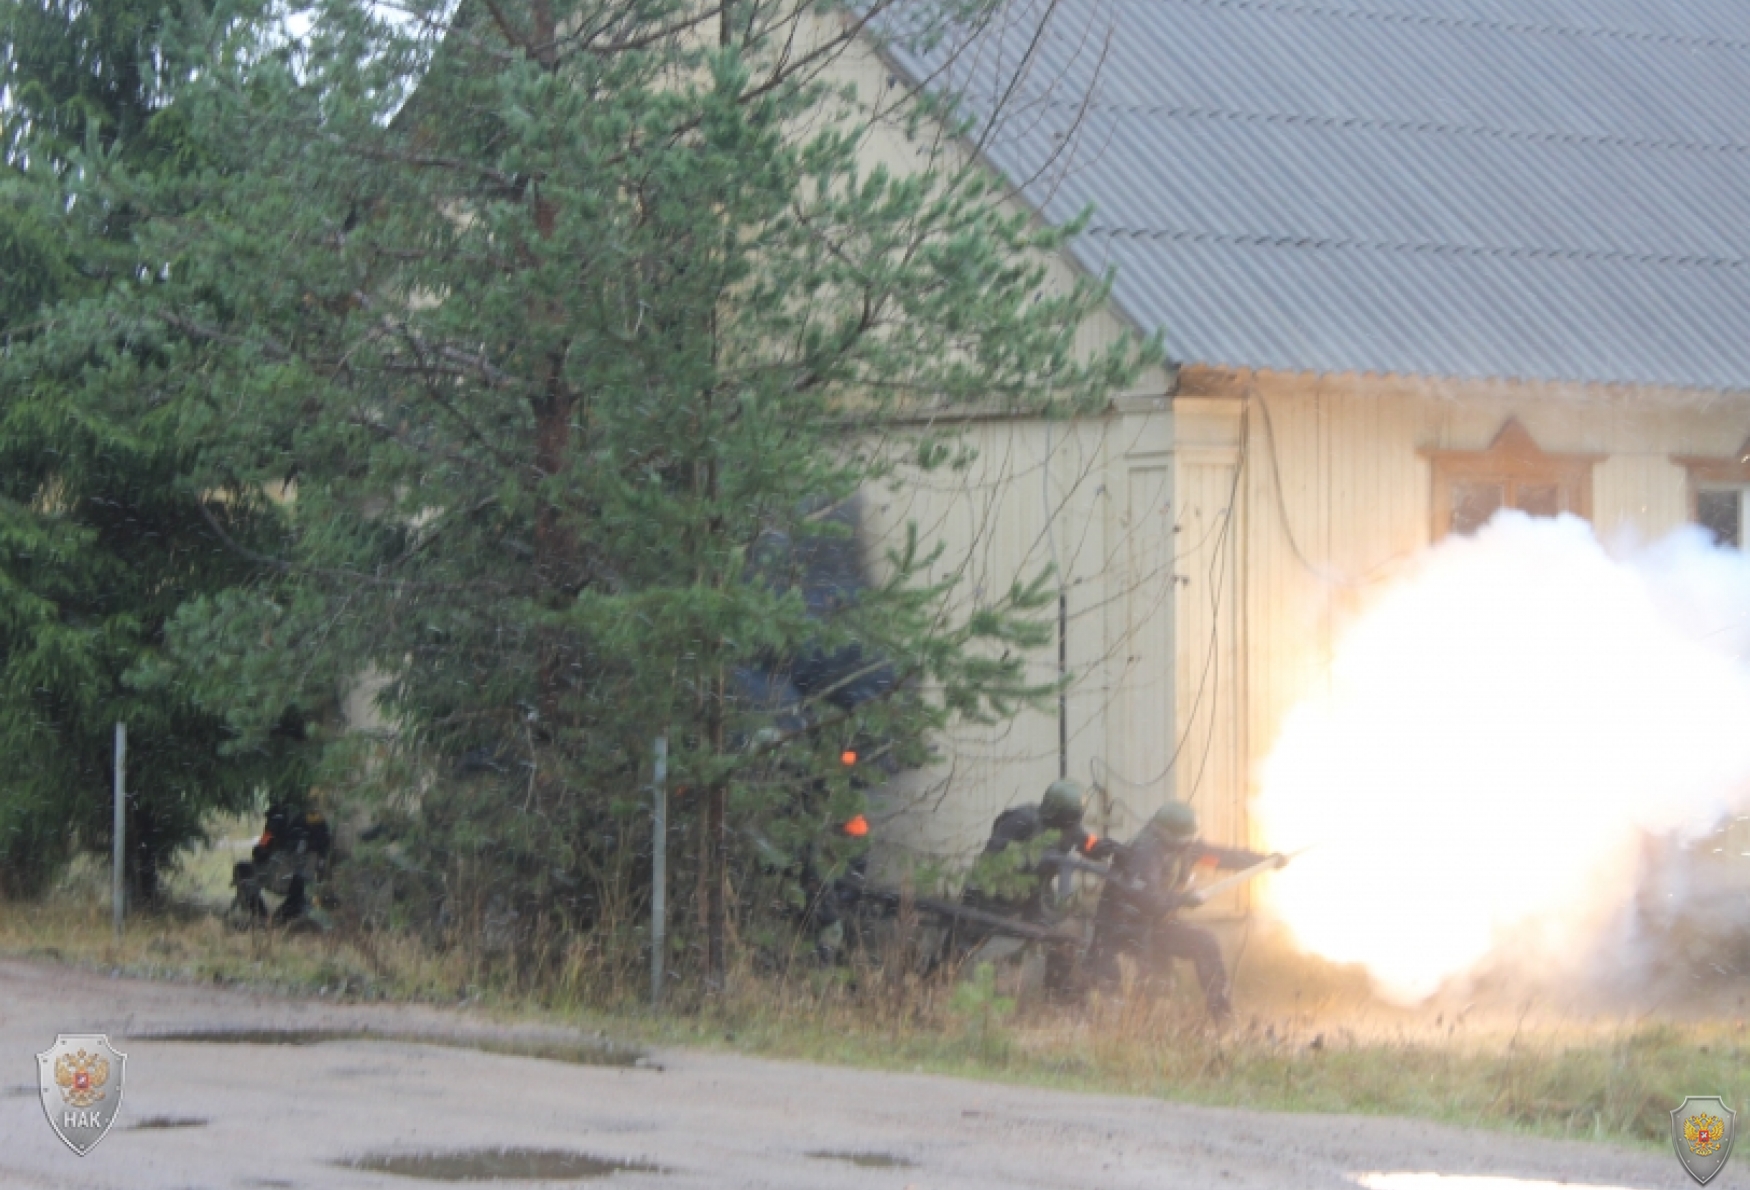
[(1062, 612), (1221, 538), (1223, 543), (1209, 680), (1319, 572)]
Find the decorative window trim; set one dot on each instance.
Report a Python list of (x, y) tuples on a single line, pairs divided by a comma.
[(1715, 474), (1513, 458), (1704, 471)]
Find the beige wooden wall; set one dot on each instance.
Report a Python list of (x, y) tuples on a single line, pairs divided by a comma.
[(1212, 555), (1092, 501), (1208, 720), (1336, 498)]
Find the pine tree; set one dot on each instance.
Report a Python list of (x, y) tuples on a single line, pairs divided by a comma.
[(103, 536), (574, 326)]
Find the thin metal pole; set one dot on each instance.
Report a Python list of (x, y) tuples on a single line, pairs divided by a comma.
[(659, 871), (120, 832)]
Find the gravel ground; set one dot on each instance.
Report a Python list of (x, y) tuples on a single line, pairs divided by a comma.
[(236, 1114)]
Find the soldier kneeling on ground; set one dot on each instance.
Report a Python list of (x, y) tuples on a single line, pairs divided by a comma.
[(1013, 876), (291, 855), (1137, 914)]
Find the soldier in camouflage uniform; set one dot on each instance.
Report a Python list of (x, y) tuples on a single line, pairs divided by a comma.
[(1013, 876), (1138, 907)]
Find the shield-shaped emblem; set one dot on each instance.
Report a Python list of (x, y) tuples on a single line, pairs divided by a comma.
[(1702, 1129), (80, 1077)]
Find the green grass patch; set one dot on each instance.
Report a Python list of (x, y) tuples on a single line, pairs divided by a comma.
[(1310, 1038)]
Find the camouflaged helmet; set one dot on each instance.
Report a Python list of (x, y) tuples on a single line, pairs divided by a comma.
[(1061, 807), (1175, 820)]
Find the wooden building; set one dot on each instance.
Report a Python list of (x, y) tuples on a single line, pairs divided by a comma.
[(1413, 260)]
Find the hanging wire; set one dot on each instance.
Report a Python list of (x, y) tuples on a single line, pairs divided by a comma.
[(1209, 680), (1377, 574)]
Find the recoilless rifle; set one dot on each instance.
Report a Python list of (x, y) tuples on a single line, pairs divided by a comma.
[(1200, 896)]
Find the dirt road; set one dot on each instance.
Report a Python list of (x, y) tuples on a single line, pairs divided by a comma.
[(293, 1116)]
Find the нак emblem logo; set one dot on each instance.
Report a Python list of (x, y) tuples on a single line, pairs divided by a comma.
[(1702, 1130), (80, 1077)]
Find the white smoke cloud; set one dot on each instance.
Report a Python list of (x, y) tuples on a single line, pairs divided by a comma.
[(1498, 732)]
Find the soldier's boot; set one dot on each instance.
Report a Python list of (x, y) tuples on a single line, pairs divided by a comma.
[(1061, 980), (1181, 941), (293, 906), (249, 903), (829, 943)]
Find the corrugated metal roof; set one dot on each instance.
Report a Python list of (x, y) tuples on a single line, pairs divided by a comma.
[(1532, 189)]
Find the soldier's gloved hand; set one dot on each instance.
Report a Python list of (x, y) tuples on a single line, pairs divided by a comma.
[(1099, 849)]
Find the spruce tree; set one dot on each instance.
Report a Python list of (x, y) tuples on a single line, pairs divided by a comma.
[(104, 536), (569, 329)]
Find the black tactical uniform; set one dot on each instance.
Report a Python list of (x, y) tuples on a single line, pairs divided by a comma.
[(1136, 914), (830, 912), (292, 853)]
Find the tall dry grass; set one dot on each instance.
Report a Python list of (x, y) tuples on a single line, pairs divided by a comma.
[(1309, 1037)]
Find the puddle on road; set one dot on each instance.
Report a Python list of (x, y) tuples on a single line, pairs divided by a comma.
[(168, 1122), (866, 1160), (484, 1165), (578, 1052), (1455, 1181)]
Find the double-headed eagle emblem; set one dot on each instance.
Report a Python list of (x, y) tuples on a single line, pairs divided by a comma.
[(1704, 1134), (81, 1076)]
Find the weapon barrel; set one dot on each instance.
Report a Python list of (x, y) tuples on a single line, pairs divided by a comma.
[(993, 921), (955, 912), (1202, 895)]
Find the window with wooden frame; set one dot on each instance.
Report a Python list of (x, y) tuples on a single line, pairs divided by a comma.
[(1470, 486), (1719, 495)]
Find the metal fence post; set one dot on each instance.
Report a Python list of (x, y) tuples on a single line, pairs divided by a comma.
[(119, 861), (659, 871)]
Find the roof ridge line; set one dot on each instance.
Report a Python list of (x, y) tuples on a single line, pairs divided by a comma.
[(1433, 247), (1404, 18), (1413, 126)]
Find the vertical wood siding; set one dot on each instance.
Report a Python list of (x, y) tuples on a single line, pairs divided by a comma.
[(1208, 720), (1352, 505), (1092, 501), (1201, 611)]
